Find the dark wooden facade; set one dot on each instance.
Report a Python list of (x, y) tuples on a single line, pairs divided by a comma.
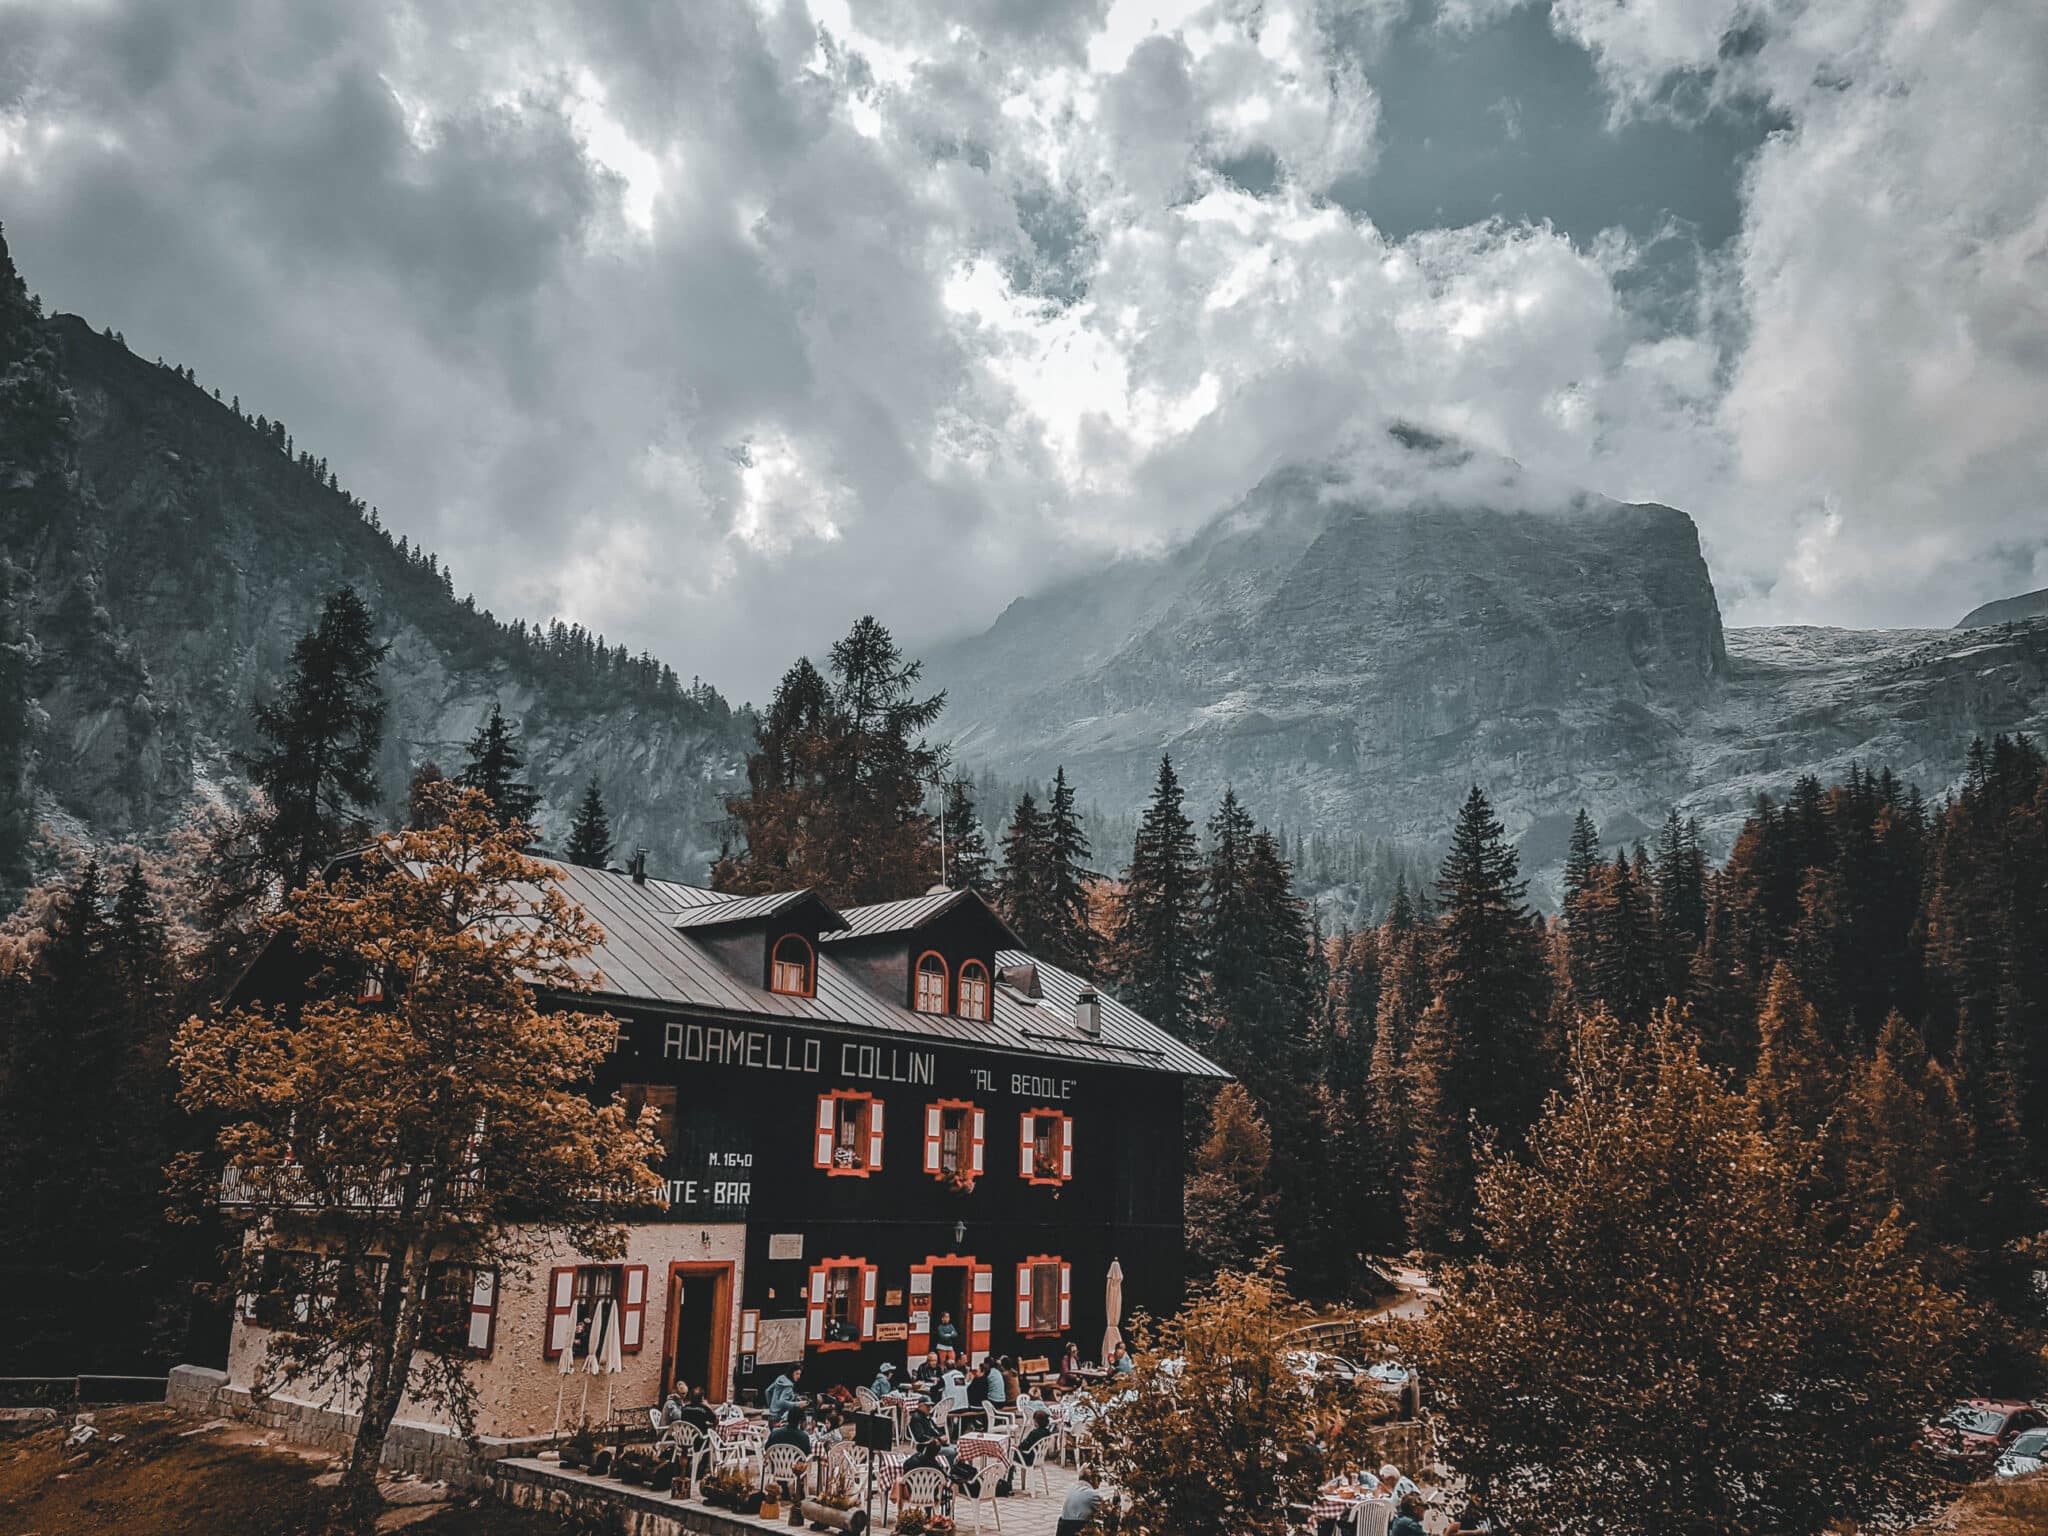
[(746, 1106)]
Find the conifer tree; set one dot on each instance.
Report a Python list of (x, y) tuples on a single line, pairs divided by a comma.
[(1625, 970), (1797, 1083), (1480, 1057), (590, 834), (317, 765), (496, 756), (1154, 933), (837, 782), (1073, 938), (423, 797), (968, 866), (1027, 877), (1229, 1203)]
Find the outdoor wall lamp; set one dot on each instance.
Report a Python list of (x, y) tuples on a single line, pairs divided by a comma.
[(959, 1233)]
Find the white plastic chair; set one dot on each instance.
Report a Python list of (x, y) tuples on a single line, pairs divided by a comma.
[(924, 1488), (1021, 1470), (941, 1411), (979, 1488), (694, 1450), (1000, 1423), (780, 1463), (654, 1418), (1373, 1517), (865, 1399)]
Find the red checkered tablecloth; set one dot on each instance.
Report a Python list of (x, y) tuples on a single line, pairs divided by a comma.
[(1328, 1508), (974, 1447), (739, 1429)]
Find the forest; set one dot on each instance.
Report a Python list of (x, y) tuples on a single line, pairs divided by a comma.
[(1863, 970)]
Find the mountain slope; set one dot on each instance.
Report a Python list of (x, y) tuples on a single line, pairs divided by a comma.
[(2007, 610), (162, 554), (1352, 650)]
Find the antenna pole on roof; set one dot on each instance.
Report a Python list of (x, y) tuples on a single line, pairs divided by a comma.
[(939, 783)]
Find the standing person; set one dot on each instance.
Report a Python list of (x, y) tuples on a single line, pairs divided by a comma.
[(1084, 1503), (946, 1337), (1408, 1519)]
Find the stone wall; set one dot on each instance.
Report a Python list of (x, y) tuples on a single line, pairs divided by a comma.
[(516, 1384), (424, 1450)]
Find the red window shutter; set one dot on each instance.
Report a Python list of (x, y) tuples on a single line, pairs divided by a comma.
[(561, 1296), (868, 1274), (814, 1329), (826, 1126), (633, 1310), (1066, 1147), (934, 1121), (1023, 1298), (1066, 1295), (919, 1342), (979, 1123), (1024, 1148), (483, 1310), (874, 1135), (982, 1306)]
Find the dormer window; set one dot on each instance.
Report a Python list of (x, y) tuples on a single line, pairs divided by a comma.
[(973, 990), (793, 971), (930, 996)]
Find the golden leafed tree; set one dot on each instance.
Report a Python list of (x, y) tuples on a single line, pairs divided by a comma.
[(1657, 1336), (412, 1125), (1214, 1435)]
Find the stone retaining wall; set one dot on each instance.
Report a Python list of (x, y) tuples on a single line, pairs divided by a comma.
[(640, 1511), (424, 1450)]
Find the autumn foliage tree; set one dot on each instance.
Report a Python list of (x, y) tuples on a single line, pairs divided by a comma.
[(1221, 1442), (1658, 1336), (416, 1109), (1229, 1202)]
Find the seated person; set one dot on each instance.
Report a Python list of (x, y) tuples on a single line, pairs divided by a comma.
[(997, 1395), (1123, 1364), (698, 1412), (929, 1372), (1041, 1430), (885, 1379), (1070, 1369), (922, 1430), (791, 1432), (1408, 1519), (1392, 1485), (783, 1394), (1081, 1507)]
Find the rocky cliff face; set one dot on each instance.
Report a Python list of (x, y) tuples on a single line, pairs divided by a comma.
[(163, 557), (1352, 658), (2007, 610)]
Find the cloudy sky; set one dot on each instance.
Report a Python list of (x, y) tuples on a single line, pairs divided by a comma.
[(714, 324)]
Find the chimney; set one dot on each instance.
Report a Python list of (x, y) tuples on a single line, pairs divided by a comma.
[(638, 867), (1088, 1014)]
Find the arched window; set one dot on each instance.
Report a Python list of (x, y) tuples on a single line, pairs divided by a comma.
[(930, 996), (972, 1001), (792, 972)]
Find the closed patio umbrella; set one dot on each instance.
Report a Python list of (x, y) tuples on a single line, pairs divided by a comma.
[(1113, 1309), (613, 1364), (567, 1366), (593, 1363)]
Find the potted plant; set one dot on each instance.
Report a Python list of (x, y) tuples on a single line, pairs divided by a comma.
[(771, 1502), (910, 1521), (635, 1467), (579, 1447), (601, 1462)]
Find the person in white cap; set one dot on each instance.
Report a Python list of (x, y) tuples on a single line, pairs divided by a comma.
[(882, 1386), (1393, 1485)]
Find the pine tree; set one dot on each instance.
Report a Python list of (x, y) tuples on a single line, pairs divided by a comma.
[(1481, 1060), (1625, 970), (1229, 1203), (837, 781), (495, 757), (317, 766), (1798, 1078), (1073, 945), (1027, 877), (423, 796), (590, 834), (1154, 933), (968, 866)]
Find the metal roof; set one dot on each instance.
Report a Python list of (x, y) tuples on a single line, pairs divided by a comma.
[(645, 959), (899, 916), (747, 909)]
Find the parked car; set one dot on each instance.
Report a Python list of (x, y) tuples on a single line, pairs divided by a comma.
[(1969, 1439), (2027, 1453)]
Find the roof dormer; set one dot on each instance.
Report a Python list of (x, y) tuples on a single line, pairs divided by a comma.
[(767, 941), (934, 954)]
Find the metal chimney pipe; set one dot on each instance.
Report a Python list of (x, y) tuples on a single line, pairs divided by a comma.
[(1088, 1014)]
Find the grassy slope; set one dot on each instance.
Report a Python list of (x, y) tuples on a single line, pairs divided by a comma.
[(162, 1481), (1994, 1509)]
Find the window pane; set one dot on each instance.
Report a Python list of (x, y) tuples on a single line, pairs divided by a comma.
[(1045, 1296)]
